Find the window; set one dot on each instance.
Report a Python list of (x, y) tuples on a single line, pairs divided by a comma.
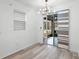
[(48, 25), (19, 20), (44, 25)]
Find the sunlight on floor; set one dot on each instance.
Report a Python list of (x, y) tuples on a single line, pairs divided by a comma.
[(52, 41)]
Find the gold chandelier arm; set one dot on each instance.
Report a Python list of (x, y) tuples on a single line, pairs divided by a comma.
[(46, 13)]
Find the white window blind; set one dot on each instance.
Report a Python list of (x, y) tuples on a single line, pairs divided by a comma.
[(19, 20)]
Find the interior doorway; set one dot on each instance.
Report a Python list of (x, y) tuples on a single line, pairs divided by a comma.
[(49, 34)]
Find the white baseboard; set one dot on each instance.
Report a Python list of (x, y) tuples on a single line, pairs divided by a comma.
[(17, 51), (78, 54)]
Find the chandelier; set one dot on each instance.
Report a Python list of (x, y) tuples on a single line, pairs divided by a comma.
[(45, 9), (45, 12)]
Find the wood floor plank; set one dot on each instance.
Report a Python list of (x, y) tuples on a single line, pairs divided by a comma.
[(44, 52)]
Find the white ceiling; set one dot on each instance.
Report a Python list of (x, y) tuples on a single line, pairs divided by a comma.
[(38, 2), (41, 3)]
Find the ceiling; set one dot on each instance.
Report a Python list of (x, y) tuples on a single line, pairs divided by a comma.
[(41, 3)]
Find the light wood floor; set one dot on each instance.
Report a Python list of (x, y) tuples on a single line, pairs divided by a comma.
[(43, 52)]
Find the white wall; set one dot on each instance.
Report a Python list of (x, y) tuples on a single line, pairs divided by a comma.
[(10, 40), (40, 27), (74, 22)]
